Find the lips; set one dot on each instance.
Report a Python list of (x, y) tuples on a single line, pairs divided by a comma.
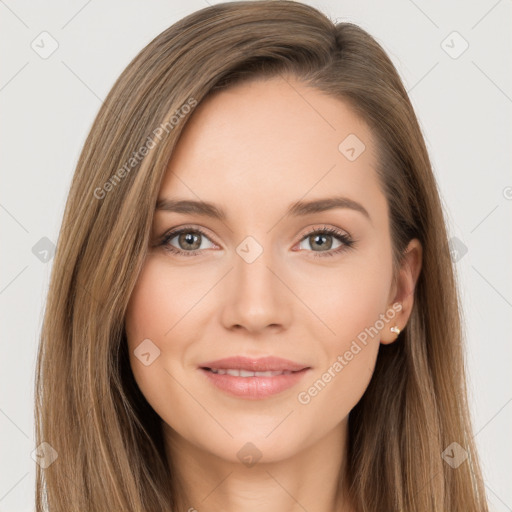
[(253, 379)]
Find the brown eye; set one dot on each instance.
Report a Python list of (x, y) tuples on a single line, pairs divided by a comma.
[(189, 241), (321, 241)]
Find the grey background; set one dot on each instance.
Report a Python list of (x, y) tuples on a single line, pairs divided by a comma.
[(464, 105)]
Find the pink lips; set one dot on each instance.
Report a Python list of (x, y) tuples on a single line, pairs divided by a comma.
[(285, 374)]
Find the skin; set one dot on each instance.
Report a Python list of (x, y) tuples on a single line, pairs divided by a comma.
[(253, 150)]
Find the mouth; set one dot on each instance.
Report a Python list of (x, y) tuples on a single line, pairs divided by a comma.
[(253, 379), (247, 373)]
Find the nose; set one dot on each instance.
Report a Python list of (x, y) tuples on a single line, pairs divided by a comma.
[(255, 296)]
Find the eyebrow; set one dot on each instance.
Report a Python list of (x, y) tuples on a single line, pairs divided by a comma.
[(298, 209)]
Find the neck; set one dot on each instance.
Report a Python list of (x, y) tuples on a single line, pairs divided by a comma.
[(311, 479)]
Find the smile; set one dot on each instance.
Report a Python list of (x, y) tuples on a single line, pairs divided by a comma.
[(247, 373)]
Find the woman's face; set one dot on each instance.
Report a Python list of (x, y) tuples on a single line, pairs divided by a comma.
[(266, 279)]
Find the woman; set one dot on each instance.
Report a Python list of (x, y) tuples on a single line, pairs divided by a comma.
[(308, 356)]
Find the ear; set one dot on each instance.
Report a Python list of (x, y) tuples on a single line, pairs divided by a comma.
[(403, 290)]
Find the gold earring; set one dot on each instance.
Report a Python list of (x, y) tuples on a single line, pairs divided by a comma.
[(395, 329)]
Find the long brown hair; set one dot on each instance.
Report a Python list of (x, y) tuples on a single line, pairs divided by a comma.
[(88, 407)]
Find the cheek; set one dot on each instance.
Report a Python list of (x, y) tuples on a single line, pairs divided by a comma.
[(352, 307), (147, 309), (156, 311), (160, 303), (350, 356), (351, 301)]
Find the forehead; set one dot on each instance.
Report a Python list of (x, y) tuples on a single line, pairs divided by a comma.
[(272, 143)]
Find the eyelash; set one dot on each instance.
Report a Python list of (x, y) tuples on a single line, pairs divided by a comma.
[(347, 242)]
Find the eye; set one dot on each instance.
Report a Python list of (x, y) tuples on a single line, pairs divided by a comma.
[(323, 238), (187, 238)]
